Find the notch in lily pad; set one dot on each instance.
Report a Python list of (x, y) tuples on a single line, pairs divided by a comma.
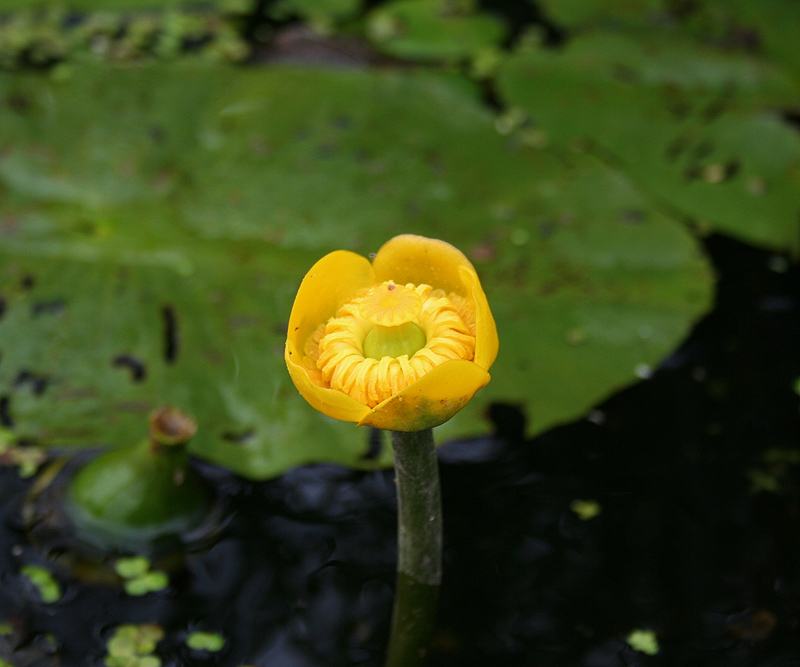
[(132, 497)]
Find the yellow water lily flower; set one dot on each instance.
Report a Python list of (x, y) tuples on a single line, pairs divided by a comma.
[(399, 343)]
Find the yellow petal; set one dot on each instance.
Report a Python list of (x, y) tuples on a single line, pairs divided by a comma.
[(431, 400), (328, 401), (331, 282), (486, 340), (415, 259)]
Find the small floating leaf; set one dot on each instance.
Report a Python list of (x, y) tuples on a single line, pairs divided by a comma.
[(135, 566), (43, 580), (644, 641), (761, 481), (132, 645), (585, 509), (205, 641), (147, 583)]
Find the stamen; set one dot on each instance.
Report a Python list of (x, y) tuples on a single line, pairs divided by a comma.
[(348, 362)]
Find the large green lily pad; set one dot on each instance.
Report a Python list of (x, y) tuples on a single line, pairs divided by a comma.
[(696, 128), (156, 222)]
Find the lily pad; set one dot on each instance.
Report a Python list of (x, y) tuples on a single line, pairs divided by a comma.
[(694, 127), (319, 12), (151, 250), (433, 30), (579, 13), (770, 27)]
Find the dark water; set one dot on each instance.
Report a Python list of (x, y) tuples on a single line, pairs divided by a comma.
[(302, 574)]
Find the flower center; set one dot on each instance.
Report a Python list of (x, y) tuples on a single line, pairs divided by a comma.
[(391, 308), (395, 342), (388, 337)]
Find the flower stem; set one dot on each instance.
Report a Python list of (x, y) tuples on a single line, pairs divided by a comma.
[(419, 538)]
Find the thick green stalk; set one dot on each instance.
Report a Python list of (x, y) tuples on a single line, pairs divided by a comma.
[(419, 544)]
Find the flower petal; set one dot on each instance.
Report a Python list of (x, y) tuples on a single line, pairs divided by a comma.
[(331, 282), (415, 259), (328, 401), (486, 340), (431, 400)]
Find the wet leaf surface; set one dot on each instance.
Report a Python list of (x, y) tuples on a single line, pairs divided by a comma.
[(433, 30), (152, 249), (698, 129)]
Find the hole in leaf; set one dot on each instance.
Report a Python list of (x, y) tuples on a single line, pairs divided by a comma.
[(374, 445), (240, 437), (19, 103), (731, 169), (47, 307), (170, 334), (38, 383), (2, 306), (135, 366), (793, 118), (5, 414), (27, 281)]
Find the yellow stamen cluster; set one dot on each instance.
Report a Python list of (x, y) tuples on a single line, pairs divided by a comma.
[(337, 346)]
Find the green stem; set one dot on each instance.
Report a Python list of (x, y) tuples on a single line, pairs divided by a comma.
[(419, 545)]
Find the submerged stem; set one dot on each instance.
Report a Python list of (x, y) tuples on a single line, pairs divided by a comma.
[(419, 537)]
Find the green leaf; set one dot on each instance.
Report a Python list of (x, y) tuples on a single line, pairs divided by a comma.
[(129, 642), (319, 12), (205, 641), (158, 221), (644, 641), (49, 589), (579, 13), (147, 583), (135, 566), (432, 30), (694, 127), (768, 26), (585, 509)]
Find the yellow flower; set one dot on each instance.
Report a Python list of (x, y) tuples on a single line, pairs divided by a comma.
[(401, 343)]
